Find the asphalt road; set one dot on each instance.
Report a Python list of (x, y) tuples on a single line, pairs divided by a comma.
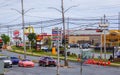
[(73, 70)]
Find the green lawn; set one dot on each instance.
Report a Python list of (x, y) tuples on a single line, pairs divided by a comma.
[(40, 53)]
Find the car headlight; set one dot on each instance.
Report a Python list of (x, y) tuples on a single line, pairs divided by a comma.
[(10, 62)]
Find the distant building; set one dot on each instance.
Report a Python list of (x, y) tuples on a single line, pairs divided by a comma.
[(93, 37), (85, 36)]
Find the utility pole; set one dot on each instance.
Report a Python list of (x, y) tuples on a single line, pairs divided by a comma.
[(9, 33), (104, 37), (118, 26), (41, 28), (101, 41), (62, 11), (64, 35), (23, 24), (10, 36), (68, 30), (119, 21), (104, 25), (58, 59)]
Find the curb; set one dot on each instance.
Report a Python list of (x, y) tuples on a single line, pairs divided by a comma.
[(115, 65)]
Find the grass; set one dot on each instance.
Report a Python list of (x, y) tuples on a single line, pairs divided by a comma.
[(1, 54), (96, 51), (33, 52)]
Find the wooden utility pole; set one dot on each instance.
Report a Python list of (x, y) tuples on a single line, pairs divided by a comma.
[(64, 35), (23, 24)]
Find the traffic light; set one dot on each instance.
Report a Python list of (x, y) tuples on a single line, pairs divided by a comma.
[(65, 40)]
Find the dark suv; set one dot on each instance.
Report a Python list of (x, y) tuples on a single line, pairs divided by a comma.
[(46, 61)]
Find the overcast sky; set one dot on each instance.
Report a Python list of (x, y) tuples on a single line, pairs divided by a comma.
[(40, 11)]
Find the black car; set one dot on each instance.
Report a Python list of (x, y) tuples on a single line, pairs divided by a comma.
[(46, 61)]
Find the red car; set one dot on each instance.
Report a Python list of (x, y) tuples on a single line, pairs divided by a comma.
[(47, 61), (26, 63)]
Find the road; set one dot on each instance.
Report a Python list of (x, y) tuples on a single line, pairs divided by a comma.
[(73, 70)]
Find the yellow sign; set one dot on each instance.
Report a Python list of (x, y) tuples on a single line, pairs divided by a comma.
[(54, 51), (28, 30)]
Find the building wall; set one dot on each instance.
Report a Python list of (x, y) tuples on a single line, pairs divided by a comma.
[(112, 37), (75, 39)]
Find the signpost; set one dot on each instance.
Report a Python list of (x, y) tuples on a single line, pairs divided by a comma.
[(84, 55), (1, 66)]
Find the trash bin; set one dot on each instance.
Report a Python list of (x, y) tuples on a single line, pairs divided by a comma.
[(1, 66)]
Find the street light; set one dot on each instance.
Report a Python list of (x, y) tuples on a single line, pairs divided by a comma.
[(104, 25), (58, 59), (62, 11), (22, 12), (23, 28)]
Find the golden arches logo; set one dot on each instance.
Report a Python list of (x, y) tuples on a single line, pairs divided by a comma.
[(28, 30)]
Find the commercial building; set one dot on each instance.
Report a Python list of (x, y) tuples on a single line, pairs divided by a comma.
[(85, 36), (93, 37)]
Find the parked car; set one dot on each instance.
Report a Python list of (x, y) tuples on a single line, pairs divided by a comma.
[(25, 63), (7, 61), (73, 45), (47, 61), (14, 60), (118, 54)]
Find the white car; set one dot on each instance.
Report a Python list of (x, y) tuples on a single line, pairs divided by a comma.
[(118, 53), (7, 61)]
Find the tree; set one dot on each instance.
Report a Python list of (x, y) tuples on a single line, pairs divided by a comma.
[(49, 42), (5, 39), (31, 38)]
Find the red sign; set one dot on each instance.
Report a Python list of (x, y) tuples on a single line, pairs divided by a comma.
[(39, 37), (0, 40), (16, 33)]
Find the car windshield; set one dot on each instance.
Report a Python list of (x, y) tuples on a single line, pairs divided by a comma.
[(4, 58), (26, 60), (13, 57), (49, 58)]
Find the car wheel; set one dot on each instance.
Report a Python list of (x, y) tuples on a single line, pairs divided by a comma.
[(43, 64), (54, 65), (10, 66), (19, 65), (40, 64)]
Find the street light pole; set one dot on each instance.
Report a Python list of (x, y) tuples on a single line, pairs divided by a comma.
[(62, 11), (104, 25), (101, 42), (22, 8), (58, 59), (64, 36), (104, 38)]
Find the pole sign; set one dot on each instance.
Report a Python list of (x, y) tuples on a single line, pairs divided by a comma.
[(16, 33), (55, 34)]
